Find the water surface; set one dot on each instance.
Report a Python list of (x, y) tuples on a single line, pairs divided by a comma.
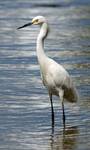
[(25, 115)]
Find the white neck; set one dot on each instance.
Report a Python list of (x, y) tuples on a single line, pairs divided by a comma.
[(40, 42)]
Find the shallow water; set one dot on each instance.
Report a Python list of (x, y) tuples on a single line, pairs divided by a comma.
[(25, 115)]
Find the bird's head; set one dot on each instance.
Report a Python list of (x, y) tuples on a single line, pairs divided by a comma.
[(39, 20)]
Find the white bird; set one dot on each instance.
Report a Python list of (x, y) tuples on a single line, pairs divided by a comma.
[(55, 78)]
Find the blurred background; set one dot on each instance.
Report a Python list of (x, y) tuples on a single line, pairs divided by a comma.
[(25, 115)]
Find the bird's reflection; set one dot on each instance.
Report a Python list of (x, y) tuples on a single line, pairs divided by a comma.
[(64, 140)]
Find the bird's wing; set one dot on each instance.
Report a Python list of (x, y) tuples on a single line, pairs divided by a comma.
[(59, 75), (62, 80)]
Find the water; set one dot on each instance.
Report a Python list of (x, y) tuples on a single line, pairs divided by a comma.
[(25, 119)]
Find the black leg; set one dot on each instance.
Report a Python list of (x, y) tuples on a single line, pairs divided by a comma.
[(61, 95), (63, 114), (52, 110)]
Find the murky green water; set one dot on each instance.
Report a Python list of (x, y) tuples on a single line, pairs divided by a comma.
[(25, 119)]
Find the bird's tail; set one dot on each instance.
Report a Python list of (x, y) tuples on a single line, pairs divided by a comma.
[(71, 95)]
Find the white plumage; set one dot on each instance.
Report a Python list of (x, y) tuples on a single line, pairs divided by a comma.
[(56, 79), (54, 76)]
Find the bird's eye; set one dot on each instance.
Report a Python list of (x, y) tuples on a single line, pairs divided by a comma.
[(36, 20)]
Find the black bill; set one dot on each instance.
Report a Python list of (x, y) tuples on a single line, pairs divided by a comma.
[(28, 24)]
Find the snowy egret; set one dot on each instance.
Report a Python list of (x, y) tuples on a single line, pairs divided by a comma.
[(54, 76)]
